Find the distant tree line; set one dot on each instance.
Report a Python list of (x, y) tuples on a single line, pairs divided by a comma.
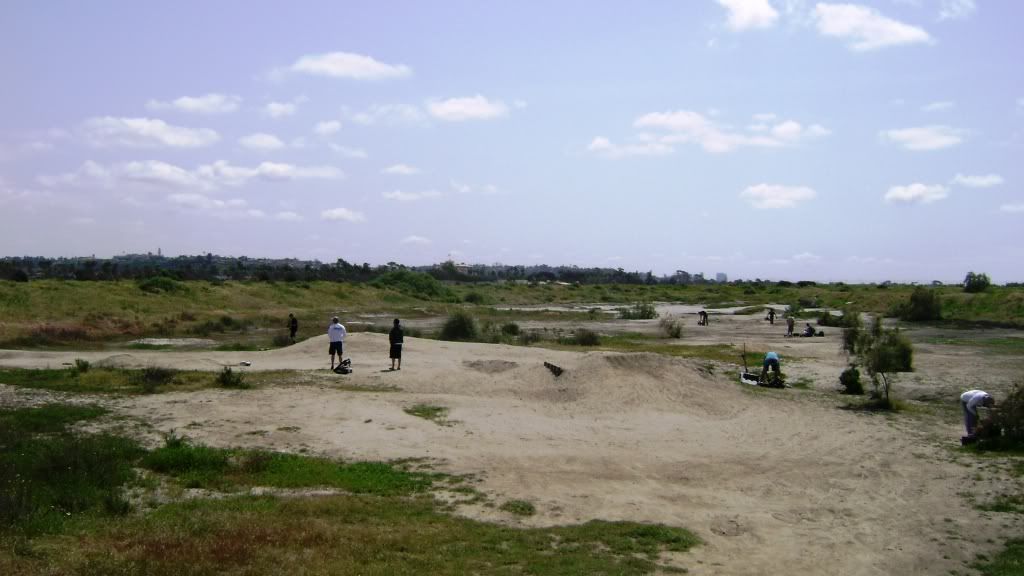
[(220, 268)]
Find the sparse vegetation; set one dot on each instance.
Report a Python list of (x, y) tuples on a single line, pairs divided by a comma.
[(436, 414), (228, 378), (1004, 430), (974, 283), (460, 327), (585, 337), (671, 327), (519, 507), (638, 311), (881, 352), (850, 381)]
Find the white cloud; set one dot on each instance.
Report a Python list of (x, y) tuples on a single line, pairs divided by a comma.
[(288, 216), (767, 196), (221, 172), (981, 181), (744, 14), (468, 108), (327, 127), (411, 196), (865, 28), (145, 133), (1012, 208), (956, 9), (261, 141), (206, 104), (687, 126), (391, 114), (342, 214), (356, 153), (280, 109), (604, 147), (348, 65), (401, 169), (806, 257), (201, 202), (916, 193), (925, 137), (937, 106), (415, 240), (148, 172), (463, 188)]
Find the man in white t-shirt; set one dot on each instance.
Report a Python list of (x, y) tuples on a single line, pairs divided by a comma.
[(336, 332), (970, 401)]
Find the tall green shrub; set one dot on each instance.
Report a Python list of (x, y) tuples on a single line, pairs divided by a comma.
[(460, 326)]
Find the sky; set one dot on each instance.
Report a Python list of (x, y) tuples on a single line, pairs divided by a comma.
[(775, 139)]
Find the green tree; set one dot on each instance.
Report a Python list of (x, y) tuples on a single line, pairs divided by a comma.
[(882, 352), (976, 282)]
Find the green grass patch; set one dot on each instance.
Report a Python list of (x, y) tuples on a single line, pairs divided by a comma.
[(1009, 562), (1005, 345), (436, 414), (1005, 503), (634, 342), (48, 418), (107, 380), (519, 507), (352, 534)]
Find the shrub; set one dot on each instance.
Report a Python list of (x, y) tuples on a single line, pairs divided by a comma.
[(528, 337), (882, 352), (153, 376), (924, 305), (474, 298), (157, 284), (460, 326), (638, 311), (416, 285), (230, 379), (1004, 429), (281, 340), (81, 365), (850, 381), (584, 337), (976, 282), (671, 327), (510, 329)]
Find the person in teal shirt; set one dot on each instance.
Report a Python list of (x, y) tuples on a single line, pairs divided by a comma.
[(771, 361)]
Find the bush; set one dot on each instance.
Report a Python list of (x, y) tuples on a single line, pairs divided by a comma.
[(528, 337), (639, 311), (510, 329), (671, 327), (157, 284), (850, 381), (584, 337), (416, 285), (153, 376), (1005, 429), (281, 340), (460, 326), (81, 365), (976, 282), (230, 379), (924, 306), (474, 298)]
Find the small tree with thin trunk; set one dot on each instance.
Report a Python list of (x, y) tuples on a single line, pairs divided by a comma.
[(882, 352)]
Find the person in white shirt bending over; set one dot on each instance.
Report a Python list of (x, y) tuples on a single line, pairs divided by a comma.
[(970, 401), (336, 332)]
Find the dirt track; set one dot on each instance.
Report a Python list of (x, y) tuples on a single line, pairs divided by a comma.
[(775, 482)]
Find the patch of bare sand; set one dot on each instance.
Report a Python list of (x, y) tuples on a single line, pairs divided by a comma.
[(774, 481)]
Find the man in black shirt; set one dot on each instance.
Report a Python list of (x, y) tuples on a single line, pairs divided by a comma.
[(396, 338)]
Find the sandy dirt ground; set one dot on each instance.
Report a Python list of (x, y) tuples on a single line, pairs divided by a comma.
[(773, 481)]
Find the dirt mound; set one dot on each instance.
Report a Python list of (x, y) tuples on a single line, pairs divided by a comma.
[(490, 366)]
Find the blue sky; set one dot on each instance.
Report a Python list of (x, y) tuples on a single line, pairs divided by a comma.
[(761, 138)]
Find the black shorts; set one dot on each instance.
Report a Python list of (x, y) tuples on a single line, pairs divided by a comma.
[(396, 351), (335, 347)]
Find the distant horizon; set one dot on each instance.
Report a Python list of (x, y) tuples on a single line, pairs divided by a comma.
[(708, 275), (830, 141)]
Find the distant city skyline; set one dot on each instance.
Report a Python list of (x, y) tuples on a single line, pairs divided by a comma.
[(775, 139)]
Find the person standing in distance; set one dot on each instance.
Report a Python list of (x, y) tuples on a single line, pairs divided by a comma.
[(336, 333), (396, 338), (293, 326)]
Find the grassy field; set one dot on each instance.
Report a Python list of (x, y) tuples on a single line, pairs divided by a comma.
[(64, 510), (50, 313)]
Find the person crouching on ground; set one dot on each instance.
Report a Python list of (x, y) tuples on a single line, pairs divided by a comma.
[(808, 331), (396, 338), (336, 333), (969, 402), (771, 361)]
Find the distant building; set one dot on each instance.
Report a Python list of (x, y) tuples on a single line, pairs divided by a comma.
[(721, 278)]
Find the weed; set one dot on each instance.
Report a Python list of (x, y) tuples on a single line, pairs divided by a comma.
[(638, 311), (850, 381), (585, 337), (150, 378), (436, 414), (671, 327), (519, 507), (227, 378), (460, 326), (510, 329), (81, 365)]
